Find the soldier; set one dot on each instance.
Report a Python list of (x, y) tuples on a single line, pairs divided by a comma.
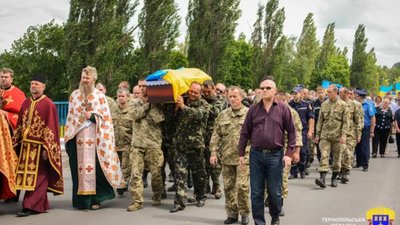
[(281, 97), (224, 144), (332, 129), (122, 120), (353, 136), (192, 117), (307, 119), (146, 149), (110, 101), (317, 107), (217, 104)]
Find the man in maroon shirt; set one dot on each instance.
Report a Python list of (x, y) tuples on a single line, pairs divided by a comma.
[(264, 126)]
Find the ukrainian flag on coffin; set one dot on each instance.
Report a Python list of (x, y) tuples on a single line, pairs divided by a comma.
[(384, 89), (179, 79)]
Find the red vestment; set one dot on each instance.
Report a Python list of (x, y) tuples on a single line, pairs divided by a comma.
[(12, 100), (37, 134)]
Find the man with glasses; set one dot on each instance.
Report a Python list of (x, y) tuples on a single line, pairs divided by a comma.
[(267, 157)]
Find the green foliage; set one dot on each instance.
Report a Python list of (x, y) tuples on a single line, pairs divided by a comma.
[(159, 27), (39, 50), (235, 68), (358, 77), (307, 51), (281, 63), (211, 27), (97, 34), (177, 60)]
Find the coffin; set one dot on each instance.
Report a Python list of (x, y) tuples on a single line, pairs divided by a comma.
[(159, 92)]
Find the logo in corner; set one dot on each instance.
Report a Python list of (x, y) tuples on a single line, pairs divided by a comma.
[(380, 216)]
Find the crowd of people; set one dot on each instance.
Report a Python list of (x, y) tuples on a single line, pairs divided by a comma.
[(257, 140)]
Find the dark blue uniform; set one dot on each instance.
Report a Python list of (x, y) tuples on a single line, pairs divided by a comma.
[(306, 113)]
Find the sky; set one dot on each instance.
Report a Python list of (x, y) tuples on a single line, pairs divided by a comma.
[(381, 19)]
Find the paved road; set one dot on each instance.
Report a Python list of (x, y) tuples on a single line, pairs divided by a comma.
[(306, 205)]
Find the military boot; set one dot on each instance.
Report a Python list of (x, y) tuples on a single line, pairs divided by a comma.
[(144, 178), (333, 179), (321, 180), (344, 179)]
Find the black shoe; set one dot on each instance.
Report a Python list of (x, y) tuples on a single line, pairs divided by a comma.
[(321, 180), (24, 213), (356, 166), (201, 203), (365, 169), (303, 174), (230, 220), (120, 191), (282, 213), (398, 156), (191, 199), (275, 221), (172, 188), (382, 156), (292, 176), (245, 220), (373, 155), (164, 195), (145, 184), (176, 208)]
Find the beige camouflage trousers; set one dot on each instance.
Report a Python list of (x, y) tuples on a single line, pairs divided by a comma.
[(348, 154), (285, 183), (327, 147), (126, 163), (154, 159), (236, 188)]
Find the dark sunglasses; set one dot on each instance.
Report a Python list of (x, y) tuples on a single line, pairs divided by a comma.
[(265, 88)]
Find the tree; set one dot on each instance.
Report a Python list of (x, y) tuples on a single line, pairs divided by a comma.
[(159, 22), (39, 50), (307, 51), (327, 50), (281, 63), (273, 30), (235, 68), (257, 43), (358, 76), (97, 34), (211, 26), (177, 60)]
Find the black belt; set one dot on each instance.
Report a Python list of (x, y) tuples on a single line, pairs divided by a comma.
[(266, 150)]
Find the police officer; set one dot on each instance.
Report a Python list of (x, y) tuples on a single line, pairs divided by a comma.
[(307, 119), (363, 147), (332, 129)]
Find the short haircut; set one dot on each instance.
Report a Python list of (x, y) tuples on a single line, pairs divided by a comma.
[(90, 71), (123, 91), (208, 84), (282, 95), (125, 84), (195, 82), (320, 88), (7, 70), (334, 87), (100, 85), (241, 91)]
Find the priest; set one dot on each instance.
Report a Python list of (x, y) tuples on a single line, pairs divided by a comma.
[(37, 142)]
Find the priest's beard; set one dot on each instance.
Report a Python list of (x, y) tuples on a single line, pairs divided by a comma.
[(86, 89)]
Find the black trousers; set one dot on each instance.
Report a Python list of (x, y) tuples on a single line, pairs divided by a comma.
[(380, 140)]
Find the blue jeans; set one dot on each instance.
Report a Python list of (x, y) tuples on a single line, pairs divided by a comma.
[(265, 167)]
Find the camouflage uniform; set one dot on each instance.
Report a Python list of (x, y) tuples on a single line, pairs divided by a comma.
[(224, 142), (332, 125), (189, 143), (123, 121), (216, 106), (168, 126), (112, 104), (146, 149), (299, 143), (356, 124)]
